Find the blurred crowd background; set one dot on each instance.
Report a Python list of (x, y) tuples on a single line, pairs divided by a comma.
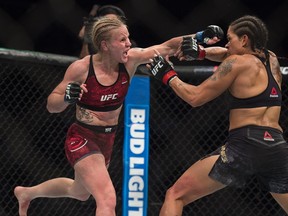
[(52, 26)]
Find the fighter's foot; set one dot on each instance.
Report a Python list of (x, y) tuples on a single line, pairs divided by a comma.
[(23, 200)]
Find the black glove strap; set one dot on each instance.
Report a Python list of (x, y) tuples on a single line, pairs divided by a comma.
[(72, 93), (189, 48)]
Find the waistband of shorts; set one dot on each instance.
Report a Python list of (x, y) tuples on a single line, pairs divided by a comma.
[(256, 127), (99, 129)]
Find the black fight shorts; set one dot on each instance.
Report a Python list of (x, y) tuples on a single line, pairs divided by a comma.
[(83, 140), (253, 151)]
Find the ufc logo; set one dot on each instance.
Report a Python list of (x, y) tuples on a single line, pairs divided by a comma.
[(109, 97), (194, 45), (156, 68)]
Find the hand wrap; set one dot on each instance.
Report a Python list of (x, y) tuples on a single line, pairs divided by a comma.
[(191, 50), (72, 93), (162, 70), (209, 33)]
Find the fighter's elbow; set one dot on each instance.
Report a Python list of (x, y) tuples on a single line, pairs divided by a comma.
[(50, 109), (195, 101), (54, 109)]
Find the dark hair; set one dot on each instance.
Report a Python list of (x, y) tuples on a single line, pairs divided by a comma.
[(254, 28), (110, 9)]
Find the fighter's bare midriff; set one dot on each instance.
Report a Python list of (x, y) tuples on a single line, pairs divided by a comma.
[(264, 116), (91, 117)]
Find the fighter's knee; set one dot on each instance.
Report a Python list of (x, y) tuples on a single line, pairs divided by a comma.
[(106, 202), (171, 193), (180, 192), (111, 200), (83, 197), (112, 204), (172, 196)]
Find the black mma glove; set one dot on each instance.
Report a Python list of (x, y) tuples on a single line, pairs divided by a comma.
[(162, 70), (72, 93), (191, 50), (210, 32)]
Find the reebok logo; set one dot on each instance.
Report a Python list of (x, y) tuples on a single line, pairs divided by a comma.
[(268, 137), (274, 93)]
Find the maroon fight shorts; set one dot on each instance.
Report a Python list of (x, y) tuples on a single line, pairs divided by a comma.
[(83, 140)]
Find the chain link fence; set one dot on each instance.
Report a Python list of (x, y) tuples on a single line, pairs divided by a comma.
[(32, 141)]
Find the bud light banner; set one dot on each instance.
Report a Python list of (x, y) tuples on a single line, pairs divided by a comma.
[(136, 147)]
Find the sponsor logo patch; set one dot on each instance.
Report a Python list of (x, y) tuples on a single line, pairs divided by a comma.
[(268, 137)]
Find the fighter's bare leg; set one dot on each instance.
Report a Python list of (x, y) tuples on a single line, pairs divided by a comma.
[(192, 185), (58, 187), (93, 174), (23, 200), (282, 200)]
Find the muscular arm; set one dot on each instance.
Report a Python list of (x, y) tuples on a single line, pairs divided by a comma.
[(211, 88), (55, 101), (169, 47), (74, 73), (217, 54)]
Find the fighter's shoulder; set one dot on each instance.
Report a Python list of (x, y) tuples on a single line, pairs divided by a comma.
[(135, 52), (245, 59), (135, 57), (139, 56), (237, 63), (80, 64), (78, 69)]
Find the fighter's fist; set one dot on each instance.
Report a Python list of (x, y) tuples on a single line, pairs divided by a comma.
[(210, 35), (72, 93), (191, 50), (162, 69)]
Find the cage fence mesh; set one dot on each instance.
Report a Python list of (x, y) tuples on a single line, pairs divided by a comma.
[(32, 142)]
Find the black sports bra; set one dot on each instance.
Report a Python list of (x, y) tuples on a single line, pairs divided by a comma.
[(271, 96)]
